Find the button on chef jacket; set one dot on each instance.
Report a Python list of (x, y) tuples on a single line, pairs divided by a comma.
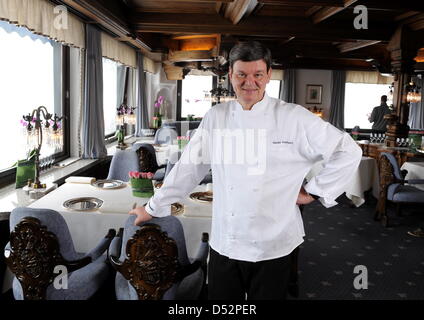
[(254, 213)]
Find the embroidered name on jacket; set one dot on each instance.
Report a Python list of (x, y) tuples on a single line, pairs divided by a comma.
[(282, 142)]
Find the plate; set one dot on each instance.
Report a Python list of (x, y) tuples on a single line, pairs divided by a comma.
[(420, 150), (202, 196), (83, 204), (177, 209), (108, 184)]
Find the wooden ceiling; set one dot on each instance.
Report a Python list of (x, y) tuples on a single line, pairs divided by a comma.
[(301, 34)]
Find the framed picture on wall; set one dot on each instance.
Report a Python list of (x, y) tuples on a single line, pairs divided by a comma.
[(313, 93)]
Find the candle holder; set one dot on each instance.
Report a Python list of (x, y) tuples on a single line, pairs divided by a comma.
[(40, 122)]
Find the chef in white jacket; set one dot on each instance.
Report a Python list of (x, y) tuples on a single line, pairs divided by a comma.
[(260, 150)]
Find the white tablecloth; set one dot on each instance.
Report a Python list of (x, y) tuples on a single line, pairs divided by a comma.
[(87, 228), (364, 179), (415, 171)]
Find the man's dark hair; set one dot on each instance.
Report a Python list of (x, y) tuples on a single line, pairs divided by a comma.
[(384, 98), (250, 51)]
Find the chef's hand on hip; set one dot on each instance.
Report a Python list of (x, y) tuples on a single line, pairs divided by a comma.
[(304, 197), (142, 215)]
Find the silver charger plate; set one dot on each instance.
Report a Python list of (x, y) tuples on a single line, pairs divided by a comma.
[(83, 204), (108, 184)]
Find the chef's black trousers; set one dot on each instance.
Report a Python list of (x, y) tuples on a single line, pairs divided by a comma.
[(230, 279)]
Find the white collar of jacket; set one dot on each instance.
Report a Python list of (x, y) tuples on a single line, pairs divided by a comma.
[(257, 107)]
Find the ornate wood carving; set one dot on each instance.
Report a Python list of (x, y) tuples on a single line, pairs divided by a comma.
[(34, 255), (147, 161), (386, 178), (152, 266)]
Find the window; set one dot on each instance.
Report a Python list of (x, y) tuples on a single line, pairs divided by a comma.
[(31, 76), (273, 88), (110, 95), (360, 99), (193, 91)]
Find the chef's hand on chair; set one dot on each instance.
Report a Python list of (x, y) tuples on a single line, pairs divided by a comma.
[(142, 215)]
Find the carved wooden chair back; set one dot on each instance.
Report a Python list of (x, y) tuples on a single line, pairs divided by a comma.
[(151, 264), (33, 255), (147, 157)]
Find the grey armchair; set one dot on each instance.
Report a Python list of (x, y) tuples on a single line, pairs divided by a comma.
[(393, 188), (39, 242), (152, 263), (173, 159), (190, 133), (165, 135), (123, 161)]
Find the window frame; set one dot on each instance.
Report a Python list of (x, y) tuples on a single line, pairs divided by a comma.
[(179, 97), (8, 176)]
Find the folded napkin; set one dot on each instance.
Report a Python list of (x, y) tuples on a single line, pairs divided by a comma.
[(75, 179)]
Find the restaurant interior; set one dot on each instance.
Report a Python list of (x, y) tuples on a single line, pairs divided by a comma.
[(113, 92)]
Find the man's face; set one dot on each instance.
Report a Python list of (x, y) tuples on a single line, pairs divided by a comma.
[(249, 80)]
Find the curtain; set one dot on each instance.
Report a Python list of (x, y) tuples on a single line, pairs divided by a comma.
[(118, 51), (93, 124), (120, 86), (288, 89), (416, 110), (142, 113), (40, 17), (338, 82), (367, 77)]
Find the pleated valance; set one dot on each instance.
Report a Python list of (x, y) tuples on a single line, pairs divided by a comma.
[(43, 18), (372, 77), (150, 66), (277, 74), (118, 51)]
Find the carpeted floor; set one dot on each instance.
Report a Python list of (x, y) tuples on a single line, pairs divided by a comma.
[(340, 238)]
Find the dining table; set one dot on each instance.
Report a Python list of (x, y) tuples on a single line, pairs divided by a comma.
[(415, 171), (88, 227)]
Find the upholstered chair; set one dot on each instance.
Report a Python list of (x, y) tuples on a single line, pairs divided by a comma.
[(41, 250), (165, 135), (393, 187), (152, 263), (190, 133), (173, 159), (123, 161)]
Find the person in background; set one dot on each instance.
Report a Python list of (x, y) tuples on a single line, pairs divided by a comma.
[(256, 220), (377, 116)]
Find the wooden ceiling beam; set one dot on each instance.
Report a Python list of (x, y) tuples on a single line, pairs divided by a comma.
[(406, 15), (304, 3), (254, 26), (225, 1), (326, 12), (350, 46), (239, 9), (415, 22)]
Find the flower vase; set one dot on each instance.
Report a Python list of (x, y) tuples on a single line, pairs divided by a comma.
[(157, 122), (142, 188)]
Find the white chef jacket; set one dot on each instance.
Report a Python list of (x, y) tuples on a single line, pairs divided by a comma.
[(254, 214)]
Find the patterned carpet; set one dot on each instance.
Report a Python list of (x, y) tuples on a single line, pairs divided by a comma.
[(340, 238)]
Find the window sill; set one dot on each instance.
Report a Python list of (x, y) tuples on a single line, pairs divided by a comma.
[(11, 198)]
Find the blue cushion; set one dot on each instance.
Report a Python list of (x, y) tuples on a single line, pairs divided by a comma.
[(408, 194)]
